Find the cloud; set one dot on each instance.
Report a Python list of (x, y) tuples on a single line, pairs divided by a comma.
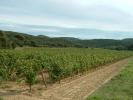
[(108, 15), (54, 31)]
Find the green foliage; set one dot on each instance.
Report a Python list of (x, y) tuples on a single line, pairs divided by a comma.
[(19, 37), (3, 75), (7, 63), (2, 34), (28, 70), (55, 72), (13, 45), (130, 47), (30, 77), (58, 63), (5, 42)]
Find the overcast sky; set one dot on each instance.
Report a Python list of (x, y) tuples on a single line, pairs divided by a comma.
[(69, 18)]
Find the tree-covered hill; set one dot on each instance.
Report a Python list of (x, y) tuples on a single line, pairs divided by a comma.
[(9, 39), (21, 39)]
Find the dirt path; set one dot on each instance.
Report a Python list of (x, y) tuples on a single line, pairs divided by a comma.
[(79, 88)]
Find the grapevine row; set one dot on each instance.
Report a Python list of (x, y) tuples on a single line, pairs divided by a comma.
[(26, 64)]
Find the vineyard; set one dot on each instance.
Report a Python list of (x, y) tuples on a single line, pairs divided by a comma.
[(58, 63)]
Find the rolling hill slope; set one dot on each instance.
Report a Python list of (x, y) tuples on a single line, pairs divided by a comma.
[(22, 39)]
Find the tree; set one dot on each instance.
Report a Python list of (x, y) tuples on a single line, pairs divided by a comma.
[(33, 43), (20, 40), (130, 47), (20, 37), (2, 34), (13, 45), (5, 42)]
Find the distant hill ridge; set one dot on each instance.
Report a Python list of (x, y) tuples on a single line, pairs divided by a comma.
[(22, 39)]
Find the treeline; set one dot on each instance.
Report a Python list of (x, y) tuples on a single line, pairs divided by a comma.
[(10, 39), (21, 40), (5, 42)]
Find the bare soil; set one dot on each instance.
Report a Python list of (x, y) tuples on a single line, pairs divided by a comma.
[(77, 88)]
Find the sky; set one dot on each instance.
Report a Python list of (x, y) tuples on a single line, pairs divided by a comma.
[(85, 19)]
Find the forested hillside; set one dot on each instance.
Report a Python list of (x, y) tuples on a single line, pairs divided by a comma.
[(10, 39)]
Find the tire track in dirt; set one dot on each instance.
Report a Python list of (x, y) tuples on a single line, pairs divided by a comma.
[(80, 88)]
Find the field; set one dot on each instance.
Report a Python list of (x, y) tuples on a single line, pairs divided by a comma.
[(119, 88), (58, 63)]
